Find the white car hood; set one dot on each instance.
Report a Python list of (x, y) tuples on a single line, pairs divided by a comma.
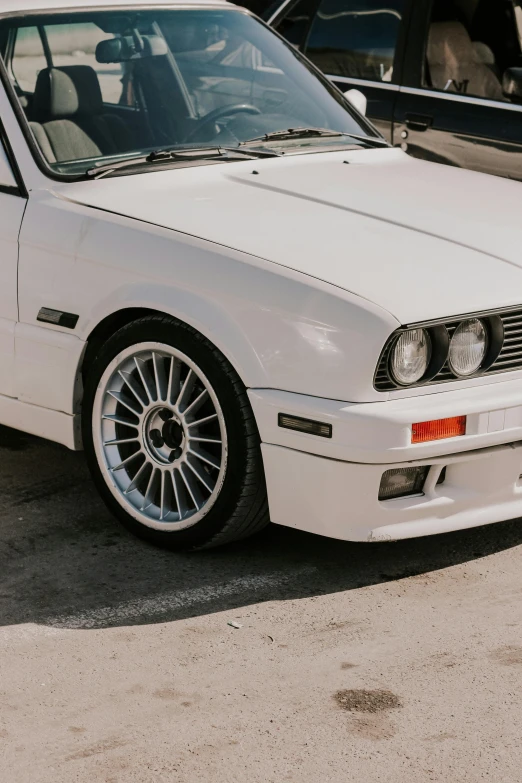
[(418, 239)]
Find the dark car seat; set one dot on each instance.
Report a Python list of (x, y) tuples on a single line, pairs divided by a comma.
[(456, 66), (69, 116)]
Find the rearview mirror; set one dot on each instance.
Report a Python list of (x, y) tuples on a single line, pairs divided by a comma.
[(130, 47), (512, 84), (358, 100)]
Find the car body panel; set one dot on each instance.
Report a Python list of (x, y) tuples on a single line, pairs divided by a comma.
[(298, 269), (491, 143), (381, 432), (12, 207), (386, 223), (339, 499), (272, 324)]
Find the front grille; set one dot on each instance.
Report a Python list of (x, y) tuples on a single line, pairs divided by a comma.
[(509, 358)]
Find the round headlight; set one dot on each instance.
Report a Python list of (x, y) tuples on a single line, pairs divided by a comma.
[(468, 347), (411, 356)]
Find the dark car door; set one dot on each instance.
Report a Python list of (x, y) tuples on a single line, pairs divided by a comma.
[(452, 107), (356, 43)]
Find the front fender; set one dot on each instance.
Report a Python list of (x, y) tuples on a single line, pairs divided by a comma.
[(278, 328)]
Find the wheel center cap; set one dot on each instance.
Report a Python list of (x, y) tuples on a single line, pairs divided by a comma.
[(164, 435), (172, 434)]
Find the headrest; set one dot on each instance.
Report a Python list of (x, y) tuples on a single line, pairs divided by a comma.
[(483, 53), (449, 45), (67, 91)]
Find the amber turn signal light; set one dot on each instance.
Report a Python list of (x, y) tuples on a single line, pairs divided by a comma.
[(438, 429)]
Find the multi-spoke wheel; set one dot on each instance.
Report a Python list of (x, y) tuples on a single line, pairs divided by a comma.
[(161, 435), (171, 438)]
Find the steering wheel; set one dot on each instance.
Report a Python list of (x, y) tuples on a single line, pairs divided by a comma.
[(216, 114)]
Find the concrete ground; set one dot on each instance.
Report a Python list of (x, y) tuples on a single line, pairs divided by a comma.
[(376, 662)]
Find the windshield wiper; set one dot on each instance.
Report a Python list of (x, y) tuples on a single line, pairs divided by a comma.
[(306, 133), (162, 156)]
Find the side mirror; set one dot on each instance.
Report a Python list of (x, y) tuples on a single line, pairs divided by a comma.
[(357, 99), (512, 84)]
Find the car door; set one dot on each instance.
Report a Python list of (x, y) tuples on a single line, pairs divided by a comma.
[(12, 206), (451, 107), (356, 43)]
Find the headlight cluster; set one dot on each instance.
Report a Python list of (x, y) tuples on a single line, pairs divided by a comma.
[(419, 354)]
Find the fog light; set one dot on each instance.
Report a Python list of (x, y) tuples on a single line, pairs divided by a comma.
[(400, 482)]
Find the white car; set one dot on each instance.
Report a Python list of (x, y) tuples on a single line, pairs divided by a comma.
[(220, 281)]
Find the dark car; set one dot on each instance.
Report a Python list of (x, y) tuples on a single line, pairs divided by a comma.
[(443, 78)]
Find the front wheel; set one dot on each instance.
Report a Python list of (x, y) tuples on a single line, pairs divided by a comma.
[(171, 439)]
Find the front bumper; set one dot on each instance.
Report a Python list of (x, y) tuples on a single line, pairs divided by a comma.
[(331, 486)]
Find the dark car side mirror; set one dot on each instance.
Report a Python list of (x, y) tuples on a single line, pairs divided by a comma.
[(512, 84)]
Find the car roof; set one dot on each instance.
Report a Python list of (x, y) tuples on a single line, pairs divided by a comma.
[(20, 7)]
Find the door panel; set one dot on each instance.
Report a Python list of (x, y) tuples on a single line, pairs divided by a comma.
[(12, 209), (450, 109), (7, 384), (466, 132), (11, 213)]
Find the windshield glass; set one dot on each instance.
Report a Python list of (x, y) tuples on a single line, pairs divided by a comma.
[(98, 86)]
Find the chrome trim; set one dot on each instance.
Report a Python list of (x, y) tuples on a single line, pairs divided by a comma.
[(363, 82), (279, 11), (474, 101)]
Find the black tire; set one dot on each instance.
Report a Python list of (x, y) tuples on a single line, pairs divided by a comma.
[(241, 508)]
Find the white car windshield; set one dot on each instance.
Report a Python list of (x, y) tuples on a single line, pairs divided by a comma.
[(104, 86)]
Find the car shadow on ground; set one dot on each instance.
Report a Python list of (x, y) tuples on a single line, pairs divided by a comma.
[(66, 563)]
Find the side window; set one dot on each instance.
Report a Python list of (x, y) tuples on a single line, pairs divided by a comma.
[(28, 58), (75, 44), (294, 25), (461, 56), (355, 38)]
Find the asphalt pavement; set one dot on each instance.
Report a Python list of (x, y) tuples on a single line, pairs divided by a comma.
[(287, 657)]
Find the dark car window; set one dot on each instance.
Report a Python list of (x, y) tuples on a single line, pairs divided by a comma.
[(471, 46), (295, 24), (355, 38)]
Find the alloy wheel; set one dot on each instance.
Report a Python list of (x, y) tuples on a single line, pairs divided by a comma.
[(160, 436)]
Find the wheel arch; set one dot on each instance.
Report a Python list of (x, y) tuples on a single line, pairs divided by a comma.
[(215, 326), (107, 326)]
